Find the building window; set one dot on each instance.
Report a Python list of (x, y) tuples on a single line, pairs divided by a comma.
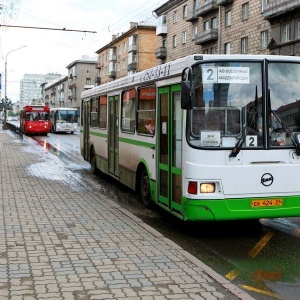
[(206, 25), (244, 45), (88, 70), (227, 48), (184, 13), (175, 16), (213, 23), (245, 11), (164, 43), (174, 41), (286, 31), (194, 32), (124, 47), (205, 51), (264, 3), (264, 39), (298, 29), (88, 81), (227, 18), (184, 37)]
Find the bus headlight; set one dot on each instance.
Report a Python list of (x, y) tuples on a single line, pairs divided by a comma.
[(207, 188)]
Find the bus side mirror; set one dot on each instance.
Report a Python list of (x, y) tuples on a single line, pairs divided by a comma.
[(187, 95)]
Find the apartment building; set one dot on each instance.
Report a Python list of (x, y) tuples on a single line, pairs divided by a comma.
[(211, 26), (31, 87), (284, 19), (55, 93), (127, 53), (81, 76)]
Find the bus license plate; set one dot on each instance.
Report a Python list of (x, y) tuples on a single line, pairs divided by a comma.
[(266, 203)]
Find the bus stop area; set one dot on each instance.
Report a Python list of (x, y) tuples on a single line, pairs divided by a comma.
[(62, 239)]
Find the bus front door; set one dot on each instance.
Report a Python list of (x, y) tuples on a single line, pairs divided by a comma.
[(113, 136), (169, 149), (86, 133)]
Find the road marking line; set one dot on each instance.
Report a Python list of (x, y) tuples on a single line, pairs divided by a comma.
[(249, 288), (232, 274), (261, 244)]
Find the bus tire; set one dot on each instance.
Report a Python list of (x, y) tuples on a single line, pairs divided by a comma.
[(145, 192), (94, 169)]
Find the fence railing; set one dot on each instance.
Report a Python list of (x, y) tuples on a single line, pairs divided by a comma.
[(15, 128)]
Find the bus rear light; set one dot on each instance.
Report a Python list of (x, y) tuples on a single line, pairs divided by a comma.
[(207, 188), (192, 187)]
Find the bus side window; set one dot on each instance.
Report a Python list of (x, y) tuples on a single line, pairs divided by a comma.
[(146, 110)]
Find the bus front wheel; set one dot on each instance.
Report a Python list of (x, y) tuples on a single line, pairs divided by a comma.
[(145, 191)]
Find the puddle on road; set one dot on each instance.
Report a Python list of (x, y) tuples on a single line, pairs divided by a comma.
[(55, 167)]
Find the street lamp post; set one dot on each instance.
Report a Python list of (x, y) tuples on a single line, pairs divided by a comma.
[(5, 102)]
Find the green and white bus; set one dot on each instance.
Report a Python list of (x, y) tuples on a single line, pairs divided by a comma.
[(206, 137)]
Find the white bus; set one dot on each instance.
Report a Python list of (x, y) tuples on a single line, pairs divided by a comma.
[(63, 119), (206, 137)]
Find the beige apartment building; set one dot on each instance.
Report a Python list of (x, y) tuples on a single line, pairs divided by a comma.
[(55, 93), (130, 52), (82, 75), (227, 26)]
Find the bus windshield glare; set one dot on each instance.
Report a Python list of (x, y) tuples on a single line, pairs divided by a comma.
[(236, 105), (69, 116)]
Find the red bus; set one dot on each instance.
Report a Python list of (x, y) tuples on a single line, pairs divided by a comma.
[(35, 119)]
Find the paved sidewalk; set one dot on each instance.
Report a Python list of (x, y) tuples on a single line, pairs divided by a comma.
[(62, 240)]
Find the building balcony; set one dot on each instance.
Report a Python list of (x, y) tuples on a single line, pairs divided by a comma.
[(161, 53), (112, 74), (191, 17), (112, 57), (207, 36), (161, 30), (280, 7), (131, 66), (206, 8), (73, 85), (98, 80), (132, 47), (224, 2)]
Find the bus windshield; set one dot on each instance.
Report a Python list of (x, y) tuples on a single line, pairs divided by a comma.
[(69, 116), (225, 93), (37, 116), (284, 101), (231, 108)]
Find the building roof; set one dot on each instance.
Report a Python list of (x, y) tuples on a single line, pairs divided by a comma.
[(134, 27), (83, 60), (167, 6)]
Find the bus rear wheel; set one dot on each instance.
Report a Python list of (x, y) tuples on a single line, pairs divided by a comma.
[(145, 191), (94, 169)]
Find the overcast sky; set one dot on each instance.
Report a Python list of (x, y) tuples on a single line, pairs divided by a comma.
[(50, 51)]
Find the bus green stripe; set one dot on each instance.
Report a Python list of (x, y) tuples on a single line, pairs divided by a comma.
[(137, 143), (125, 140), (103, 135)]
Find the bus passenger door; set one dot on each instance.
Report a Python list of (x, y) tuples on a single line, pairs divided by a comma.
[(113, 136), (86, 132), (169, 185)]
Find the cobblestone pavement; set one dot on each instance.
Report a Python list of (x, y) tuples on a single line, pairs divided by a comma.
[(62, 240)]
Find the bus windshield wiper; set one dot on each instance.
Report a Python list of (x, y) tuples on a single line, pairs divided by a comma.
[(238, 146), (295, 140)]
